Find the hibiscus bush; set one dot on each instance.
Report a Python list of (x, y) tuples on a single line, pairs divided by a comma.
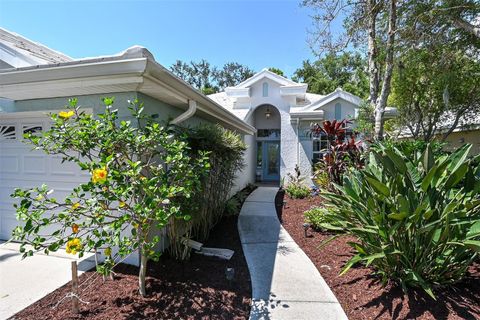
[(140, 175)]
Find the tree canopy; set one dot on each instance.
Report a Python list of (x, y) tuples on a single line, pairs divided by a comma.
[(346, 70), (210, 79)]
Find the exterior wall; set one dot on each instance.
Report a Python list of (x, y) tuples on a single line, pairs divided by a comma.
[(458, 139), (91, 101)]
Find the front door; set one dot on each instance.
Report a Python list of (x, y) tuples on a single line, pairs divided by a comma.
[(271, 160)]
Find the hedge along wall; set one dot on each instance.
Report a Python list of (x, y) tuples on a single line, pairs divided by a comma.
[(206, 207)]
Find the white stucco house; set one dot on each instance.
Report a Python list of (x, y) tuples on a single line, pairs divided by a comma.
[(272, 113), (282, 111)]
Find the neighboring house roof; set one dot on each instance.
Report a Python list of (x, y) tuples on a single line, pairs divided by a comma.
[(470, 122), (17, 51), (135, 69)]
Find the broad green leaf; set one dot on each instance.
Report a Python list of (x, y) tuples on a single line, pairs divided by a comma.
[(378, 186), (458, 157), (355, 259), (427, 158), (474, 230), (398, 216), (397, 160), (456, 176), (473, 244), (428, 178)]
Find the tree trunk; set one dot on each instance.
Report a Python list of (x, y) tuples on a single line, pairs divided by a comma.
[(372, 52), (453, 126), (387, 77), (466, 26), (142, 273)]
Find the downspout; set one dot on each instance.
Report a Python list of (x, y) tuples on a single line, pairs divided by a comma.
[(298, 141), (192, 108)]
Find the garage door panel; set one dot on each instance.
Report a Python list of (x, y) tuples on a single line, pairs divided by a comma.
[(35, 164), (22, 167), (63, 169), (9, 164)]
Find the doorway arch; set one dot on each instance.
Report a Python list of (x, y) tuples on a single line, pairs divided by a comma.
[(267, 121)]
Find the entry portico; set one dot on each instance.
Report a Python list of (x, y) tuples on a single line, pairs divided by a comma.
[(281, 110)]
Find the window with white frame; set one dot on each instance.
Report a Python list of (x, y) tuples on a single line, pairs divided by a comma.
[(320, 146)]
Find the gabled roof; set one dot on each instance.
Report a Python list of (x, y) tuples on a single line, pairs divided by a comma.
[(338, 93), (265, 73), (287, 87), (18, 51)]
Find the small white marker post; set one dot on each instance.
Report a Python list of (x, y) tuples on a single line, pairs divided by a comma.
[(75, 308)]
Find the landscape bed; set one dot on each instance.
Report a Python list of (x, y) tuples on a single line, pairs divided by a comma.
[(193, 289), (359, 292)]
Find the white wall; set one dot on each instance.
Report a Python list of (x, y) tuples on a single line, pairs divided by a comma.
[(348, 109)]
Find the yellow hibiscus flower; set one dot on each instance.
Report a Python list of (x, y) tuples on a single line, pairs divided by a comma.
[(74, 245), (66, 114), (99, 175)]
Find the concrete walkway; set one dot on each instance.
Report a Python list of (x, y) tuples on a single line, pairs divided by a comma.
[(22, 282), (285, 283)]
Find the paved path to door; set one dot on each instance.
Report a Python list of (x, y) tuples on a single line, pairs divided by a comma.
[(285, 283), (22, 282)]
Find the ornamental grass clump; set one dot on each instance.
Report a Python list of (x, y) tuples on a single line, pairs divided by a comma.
[(417, 221), (139, 175)]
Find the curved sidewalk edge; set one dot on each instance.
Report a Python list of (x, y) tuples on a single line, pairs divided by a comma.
[(285, 283)]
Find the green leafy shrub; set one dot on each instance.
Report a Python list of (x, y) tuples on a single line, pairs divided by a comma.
[(234, 204), (207, 204), (411, 149), (316, 216), (296, 188), (417, 222), (140, 175), (297, 191), (320, 178), (232, 207)]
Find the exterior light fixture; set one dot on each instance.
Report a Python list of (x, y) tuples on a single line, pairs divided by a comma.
[(305, 228), (268, 113), (230, 274)]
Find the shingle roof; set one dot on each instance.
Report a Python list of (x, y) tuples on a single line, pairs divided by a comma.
[(36, 52)]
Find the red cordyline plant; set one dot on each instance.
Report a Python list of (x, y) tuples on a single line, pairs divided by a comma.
[(342, 152)]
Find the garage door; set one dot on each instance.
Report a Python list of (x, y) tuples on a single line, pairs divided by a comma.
[(20, 166)]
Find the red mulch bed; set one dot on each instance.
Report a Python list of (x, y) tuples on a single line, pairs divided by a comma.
[(195, 289), (360, 293)]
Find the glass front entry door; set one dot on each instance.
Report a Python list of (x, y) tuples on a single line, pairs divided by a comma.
[(271, 160)]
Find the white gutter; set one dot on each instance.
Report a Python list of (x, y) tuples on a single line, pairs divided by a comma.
[(192, 107)]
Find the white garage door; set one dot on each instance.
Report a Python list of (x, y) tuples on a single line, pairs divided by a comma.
[(20, 166)]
